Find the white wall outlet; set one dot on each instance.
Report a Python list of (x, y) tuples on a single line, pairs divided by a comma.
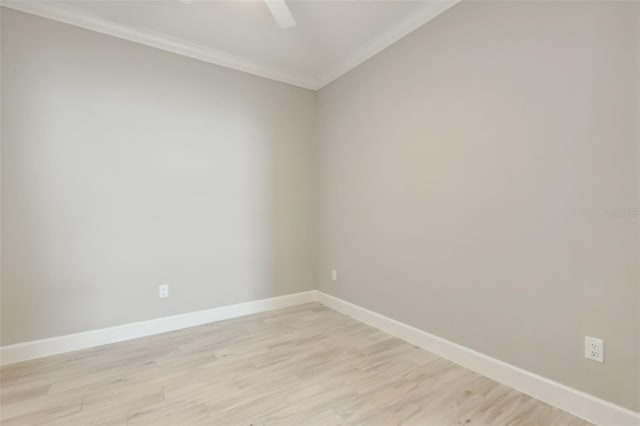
[(594, 349), (163, 290), (334, 275)]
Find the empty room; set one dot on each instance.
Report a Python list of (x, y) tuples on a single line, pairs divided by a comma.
[(320, 212)]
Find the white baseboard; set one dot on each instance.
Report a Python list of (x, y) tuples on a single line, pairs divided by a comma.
[(72, 342), (579, 403)]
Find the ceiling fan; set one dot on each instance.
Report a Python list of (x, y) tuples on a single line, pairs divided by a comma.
[(279, 10), (281, 13)]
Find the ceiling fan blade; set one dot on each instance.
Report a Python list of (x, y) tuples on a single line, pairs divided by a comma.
[(281, 13)]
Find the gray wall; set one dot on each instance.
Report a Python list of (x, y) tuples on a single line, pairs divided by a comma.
[(124, 167), (463, 178), (464, 175)]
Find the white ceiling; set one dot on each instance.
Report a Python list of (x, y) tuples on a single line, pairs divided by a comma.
[(331, 36)]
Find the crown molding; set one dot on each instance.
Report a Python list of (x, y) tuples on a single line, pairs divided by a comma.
[(72, 16), (414, 21)]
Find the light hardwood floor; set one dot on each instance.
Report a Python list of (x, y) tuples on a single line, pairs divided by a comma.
[(305, 365)]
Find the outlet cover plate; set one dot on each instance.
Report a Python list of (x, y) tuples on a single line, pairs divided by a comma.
[(594, 348), (163, 290)]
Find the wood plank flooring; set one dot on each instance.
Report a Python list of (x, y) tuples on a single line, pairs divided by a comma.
[(305, 365)]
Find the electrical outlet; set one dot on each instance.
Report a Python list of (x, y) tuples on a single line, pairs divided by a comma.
[(594, 349), (163, 290), (334, 275)]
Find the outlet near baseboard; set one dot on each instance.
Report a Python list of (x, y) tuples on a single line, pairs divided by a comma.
[(163, 290), (594, 348)]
